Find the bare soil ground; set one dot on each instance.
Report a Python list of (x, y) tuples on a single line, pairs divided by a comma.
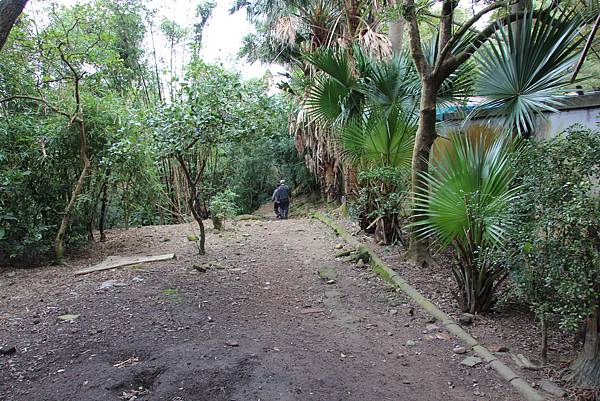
[(510, 326), (260, 324)]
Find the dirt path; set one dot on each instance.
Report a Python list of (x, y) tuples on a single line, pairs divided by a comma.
[(258, 325)]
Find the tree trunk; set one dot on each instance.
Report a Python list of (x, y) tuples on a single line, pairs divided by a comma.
[(396, 35), (59, 249), (585, 371), (197, 213), (330, 184), (9, 12), (544, 324), (195, 204), (102, 223), (418, 251), (350, 181)]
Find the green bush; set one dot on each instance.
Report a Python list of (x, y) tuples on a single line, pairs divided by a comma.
[(554, 253), (382, 196), (222, 206)]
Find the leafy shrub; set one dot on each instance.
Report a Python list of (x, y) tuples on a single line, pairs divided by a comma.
[(382, 196), (554, 253), (222, 206)]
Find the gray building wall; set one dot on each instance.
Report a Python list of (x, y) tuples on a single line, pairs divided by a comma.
[(582, 109)]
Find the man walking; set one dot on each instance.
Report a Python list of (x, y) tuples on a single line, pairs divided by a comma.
[(276, 202), (282, 195)]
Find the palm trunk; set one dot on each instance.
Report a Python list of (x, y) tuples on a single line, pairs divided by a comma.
[(585, 371), (330, 184), (418, 251), (350, 181), (396, 36)]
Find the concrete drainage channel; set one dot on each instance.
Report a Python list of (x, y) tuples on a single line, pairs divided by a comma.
[(528, 392)]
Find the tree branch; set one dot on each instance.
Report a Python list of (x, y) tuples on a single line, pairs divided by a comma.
[(453, 62), (446, 24), (45, 102), (586, 49), (416, 49), (447, 47)]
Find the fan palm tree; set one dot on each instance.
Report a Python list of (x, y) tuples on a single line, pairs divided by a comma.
[(525, 69), (465, 206), (382, 139)]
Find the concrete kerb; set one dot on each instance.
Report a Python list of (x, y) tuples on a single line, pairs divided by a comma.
[(528, 392)]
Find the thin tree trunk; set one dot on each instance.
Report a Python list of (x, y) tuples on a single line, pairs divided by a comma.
[(194, 201), (396, 36), (158, 85), (9, 12), (330, 183), (102, 223), (78, 116), (64, 224), (585, 371), (418, 250), (544, 352)]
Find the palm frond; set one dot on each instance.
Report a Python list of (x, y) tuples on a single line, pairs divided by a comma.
[(465, 196), (381, 139), (523, 77), (392, 83), (332, 96)]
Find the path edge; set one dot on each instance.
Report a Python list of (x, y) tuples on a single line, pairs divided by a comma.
[(389, 275)]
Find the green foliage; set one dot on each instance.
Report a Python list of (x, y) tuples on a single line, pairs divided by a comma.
[(223, 206), (381, 140), (230, 131), (554, 251), (172, 30), (99, 41), (465, 204), (523, 75), (381, 201)]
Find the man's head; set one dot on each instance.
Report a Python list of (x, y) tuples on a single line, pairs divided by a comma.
[(282, 182)]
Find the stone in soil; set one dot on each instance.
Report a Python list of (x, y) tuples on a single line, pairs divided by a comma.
[(432, 327), (327, 273), (410, 343), (201, 268), (471, 361), (109, 284), (68, 317), (8, 350), (523, 362), (552, 388), (459, 350), (466, 318)]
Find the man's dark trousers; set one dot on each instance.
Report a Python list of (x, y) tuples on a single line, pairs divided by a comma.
[(284, 207)]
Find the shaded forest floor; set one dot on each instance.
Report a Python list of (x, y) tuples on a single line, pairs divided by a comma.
[(259, 324)]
